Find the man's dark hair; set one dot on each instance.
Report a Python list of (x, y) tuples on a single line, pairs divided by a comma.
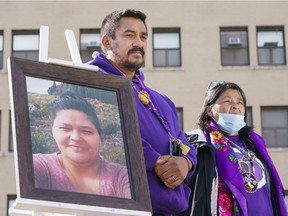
[(111, 21)]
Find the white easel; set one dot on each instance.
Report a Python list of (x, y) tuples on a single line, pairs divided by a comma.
[(31, 207), (73, 48)]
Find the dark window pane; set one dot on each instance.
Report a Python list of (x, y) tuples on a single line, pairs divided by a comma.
[(275, 126), (249, 117), (173, 57), (31, 55), (180, 117), (269, 136), (90, 41), (166, 47), (1, 59), (0, 128), (234, 46), (11, 147), (271, 56), (86, 55), (159, 58), (235, 56), (270, 45), (10, 200)]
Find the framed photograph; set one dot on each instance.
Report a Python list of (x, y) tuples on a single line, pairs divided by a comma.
[(76, 137)]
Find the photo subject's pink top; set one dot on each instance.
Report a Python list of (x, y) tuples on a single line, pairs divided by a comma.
[(49, 174)]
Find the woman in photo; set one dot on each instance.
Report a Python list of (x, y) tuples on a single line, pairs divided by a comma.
[(78, 166)]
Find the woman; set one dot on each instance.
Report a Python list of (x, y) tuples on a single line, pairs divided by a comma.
[(235, 174), (78, 166)]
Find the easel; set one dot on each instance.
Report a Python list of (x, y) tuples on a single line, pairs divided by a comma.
[(32, 207), (73, 48), (29, 207)]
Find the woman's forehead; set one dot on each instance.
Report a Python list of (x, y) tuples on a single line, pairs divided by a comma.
[(231, 93)]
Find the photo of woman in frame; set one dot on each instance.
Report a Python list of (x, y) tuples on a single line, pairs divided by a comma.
[(78, 163)]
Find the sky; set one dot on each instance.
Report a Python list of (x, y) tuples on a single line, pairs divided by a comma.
[(38, 85)]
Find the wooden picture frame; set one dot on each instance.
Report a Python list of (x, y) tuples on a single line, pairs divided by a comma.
[(18, 71)]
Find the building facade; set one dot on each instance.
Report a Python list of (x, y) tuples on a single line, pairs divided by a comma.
[(190, 44)]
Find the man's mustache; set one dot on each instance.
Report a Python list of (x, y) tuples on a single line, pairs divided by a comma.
[(136, 50)]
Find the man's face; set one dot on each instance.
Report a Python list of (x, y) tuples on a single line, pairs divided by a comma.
[(129, 46)]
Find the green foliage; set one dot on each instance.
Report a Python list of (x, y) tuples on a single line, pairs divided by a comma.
[(115, 154), (102, 95), (110, 127), (43, 142)]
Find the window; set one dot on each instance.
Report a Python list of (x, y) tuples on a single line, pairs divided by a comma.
[(249, 118), (10, 200), (166, 47), (270, 46), (180, 117), (11, 147), (0, 127), (90, 41), (234, 46), (275, 126), (1, 49), (26, 44)]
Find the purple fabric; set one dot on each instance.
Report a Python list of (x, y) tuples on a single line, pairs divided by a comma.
[(229, 172), (261, 197), (114, 179), (155, 142)]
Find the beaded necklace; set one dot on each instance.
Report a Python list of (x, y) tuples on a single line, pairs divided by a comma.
[(176, 145), (250, 180)]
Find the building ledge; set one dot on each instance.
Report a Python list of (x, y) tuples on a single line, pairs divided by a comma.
[(274, 149), (6, 154), (253, 67)]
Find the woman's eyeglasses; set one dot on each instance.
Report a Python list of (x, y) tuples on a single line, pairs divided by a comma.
[(214, 83)]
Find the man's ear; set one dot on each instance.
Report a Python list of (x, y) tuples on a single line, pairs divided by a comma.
[(106, 42)]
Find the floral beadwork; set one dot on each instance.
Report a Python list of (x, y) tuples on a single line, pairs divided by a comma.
[(226, 201), (221, 144)]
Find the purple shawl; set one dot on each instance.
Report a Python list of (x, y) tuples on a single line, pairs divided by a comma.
[(228, 171)]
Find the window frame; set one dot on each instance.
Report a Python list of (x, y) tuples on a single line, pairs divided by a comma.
[(24, 33), (10, 140), (274, 129), (247, 117), (1, 50), (234, 48), (180, 117), (166, 30), (286, 199), (1, 113), (10, 197), (271, 47), (83, 52)]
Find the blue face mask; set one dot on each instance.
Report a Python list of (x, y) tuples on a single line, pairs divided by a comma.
[(231, 123)]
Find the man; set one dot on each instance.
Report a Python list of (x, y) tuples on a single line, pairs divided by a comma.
[(169, 158)]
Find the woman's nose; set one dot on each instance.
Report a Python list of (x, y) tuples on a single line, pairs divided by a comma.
[(75, 135), (235, 107)]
